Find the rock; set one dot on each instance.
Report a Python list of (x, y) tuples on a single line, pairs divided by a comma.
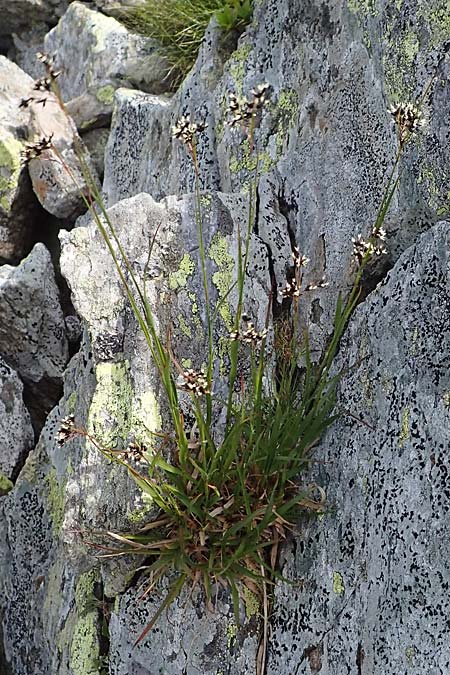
[(26, 45), (22, 14), (57, 175), (369, 576), (374, 556), (57, 187), (90, 111), (16, 432), (95, 142), (97, 54), (319, 124), (18, 204), (32, 332)]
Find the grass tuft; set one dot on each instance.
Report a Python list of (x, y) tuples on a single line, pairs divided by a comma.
[(179, 26)]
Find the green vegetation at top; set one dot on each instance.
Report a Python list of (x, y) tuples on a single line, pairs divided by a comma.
[(180, 25)]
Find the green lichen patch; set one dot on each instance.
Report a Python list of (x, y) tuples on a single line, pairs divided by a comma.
[(219, 252), (286, 112), (5, 485), (10, 167), (237, 66), (247, 160), (338, 583), (109, 417), (105, 94), (84, 647), (404, 429), (56, 499), (179, 278), (363, 7), (71, 403), (137, 516), (251, 603), (145, 418), (231, 634)]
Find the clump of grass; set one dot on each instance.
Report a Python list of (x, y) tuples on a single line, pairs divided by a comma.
[(227, 500), (179, 26)]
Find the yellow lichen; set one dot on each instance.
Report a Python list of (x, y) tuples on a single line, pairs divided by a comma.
[(179, 278), (219, 252), (338, 583), (404, 430)]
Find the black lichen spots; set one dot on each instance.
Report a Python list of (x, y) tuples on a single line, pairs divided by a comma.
[(108, 346), (377, 579)]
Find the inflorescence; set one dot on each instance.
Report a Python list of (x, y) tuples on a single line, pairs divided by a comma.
[(43, 84), (249, 335), (33, 150), (194, 382), (243, 110), (408, 118), (363, 248), (66, 430), (185, 130)]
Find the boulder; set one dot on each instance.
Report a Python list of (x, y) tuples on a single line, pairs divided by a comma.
[(326, 140), (97, 54), (16, 431), (372, 573), (32, 330), (22, 14), (18, 204)]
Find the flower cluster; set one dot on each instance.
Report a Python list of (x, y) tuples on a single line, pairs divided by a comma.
[(185, 130), (408, 118), (249, 335), (292, 289), (66, 430), (243, 110), (135, 453), (194, 381), (323, 283), (43, 84), (299, 259), (33, 150), (365, 248)]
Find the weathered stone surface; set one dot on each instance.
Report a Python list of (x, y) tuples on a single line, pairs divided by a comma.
[(17, 202), (32, 330), (22, 14), (95, 142), (97, 54), (56, 175), (373, 577), (16, 432), (374, 571), (326, 139)]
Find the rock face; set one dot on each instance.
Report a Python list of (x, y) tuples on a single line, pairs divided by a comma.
[(16, 432), (374, 577), (18, 210), (370, 576), (97, 54), (32, 330)]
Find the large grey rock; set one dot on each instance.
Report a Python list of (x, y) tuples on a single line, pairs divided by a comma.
[(326, 140), (97, 54), (32, 330), (111, 388), (56, 175), (370, 575), (16, 431), (17, 202), (373, 573)]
